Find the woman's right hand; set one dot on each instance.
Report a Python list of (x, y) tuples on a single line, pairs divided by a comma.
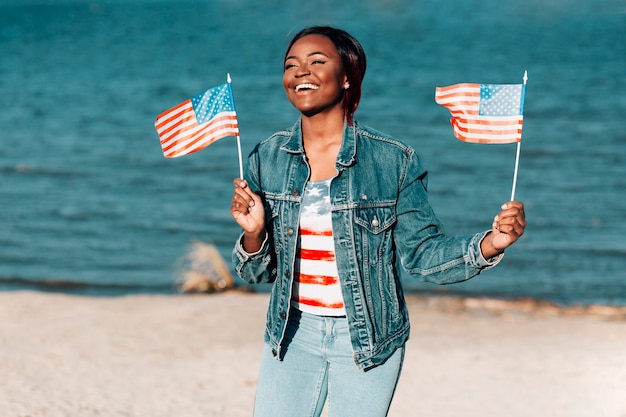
[(247, 210)]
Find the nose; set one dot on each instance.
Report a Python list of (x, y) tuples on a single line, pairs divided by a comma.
[(303, 69)]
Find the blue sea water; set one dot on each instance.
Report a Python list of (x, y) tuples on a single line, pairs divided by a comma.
[(89, 204)]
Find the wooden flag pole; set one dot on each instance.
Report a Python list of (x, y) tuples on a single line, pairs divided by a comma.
[(519, 143), (238, 138)]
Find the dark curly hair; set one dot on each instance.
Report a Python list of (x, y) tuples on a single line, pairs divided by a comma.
[(352, 57)]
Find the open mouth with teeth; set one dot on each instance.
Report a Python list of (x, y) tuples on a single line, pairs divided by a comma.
[(307, 86)]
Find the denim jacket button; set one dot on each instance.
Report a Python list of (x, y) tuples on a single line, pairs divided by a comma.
[(283, 316), (295, 192), (289, 232), (375, 223)]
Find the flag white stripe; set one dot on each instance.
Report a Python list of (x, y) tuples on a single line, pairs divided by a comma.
[(456, 99), (499, 137), (459, 90), (512, 119), (488, 128)]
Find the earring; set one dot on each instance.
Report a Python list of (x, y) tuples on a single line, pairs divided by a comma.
[(346, 86)]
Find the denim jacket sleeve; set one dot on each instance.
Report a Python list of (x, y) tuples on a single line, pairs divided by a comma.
[(253, 267), (258, 267), (425, 250)]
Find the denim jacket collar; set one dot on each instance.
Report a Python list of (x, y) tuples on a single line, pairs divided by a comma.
[(347, 152)]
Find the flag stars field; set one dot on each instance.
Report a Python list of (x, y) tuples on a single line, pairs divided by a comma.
[(210, 103), (500, 100)]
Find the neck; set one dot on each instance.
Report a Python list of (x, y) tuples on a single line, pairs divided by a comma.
[(322, 139), (322, 130)]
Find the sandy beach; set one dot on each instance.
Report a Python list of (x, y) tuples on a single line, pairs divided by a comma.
[(197, 355)]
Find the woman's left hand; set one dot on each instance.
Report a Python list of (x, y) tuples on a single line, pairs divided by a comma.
[(507, 227)]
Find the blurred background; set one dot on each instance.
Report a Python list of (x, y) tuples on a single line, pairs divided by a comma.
[(88, 203)]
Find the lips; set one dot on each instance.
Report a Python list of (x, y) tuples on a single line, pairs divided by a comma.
[(306, 86)]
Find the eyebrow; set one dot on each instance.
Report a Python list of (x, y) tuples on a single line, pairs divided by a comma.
[(308, 55)]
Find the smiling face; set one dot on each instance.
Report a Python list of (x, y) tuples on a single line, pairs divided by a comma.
[(314, 78)]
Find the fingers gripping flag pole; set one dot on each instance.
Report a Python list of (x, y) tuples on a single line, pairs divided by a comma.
[(198, 122), (486, 113)]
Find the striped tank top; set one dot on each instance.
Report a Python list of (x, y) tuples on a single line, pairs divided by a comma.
[(316, 287)]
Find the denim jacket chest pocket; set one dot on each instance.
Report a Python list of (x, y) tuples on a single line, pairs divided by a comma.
[(374, 231)]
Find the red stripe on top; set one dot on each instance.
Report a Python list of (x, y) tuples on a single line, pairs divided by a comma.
[(317, 255), (312, 232), (314, 302), (316, 279)]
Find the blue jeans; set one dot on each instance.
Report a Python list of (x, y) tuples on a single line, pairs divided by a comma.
[(318, 366)]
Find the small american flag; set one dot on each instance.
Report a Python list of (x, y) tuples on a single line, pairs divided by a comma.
[(484, 113), (198, 122)]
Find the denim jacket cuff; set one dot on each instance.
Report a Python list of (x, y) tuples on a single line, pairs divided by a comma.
[(246, 255), (476, 255)]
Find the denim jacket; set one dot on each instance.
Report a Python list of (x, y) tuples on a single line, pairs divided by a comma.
[(382, 221)]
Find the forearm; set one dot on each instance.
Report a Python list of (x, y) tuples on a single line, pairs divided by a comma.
[(449, 259)]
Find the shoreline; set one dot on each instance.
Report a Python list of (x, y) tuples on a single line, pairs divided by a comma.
[(198, 355), (452, 300), (532, 306)]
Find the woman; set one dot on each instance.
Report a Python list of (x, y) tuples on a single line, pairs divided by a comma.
[(330, 210)]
